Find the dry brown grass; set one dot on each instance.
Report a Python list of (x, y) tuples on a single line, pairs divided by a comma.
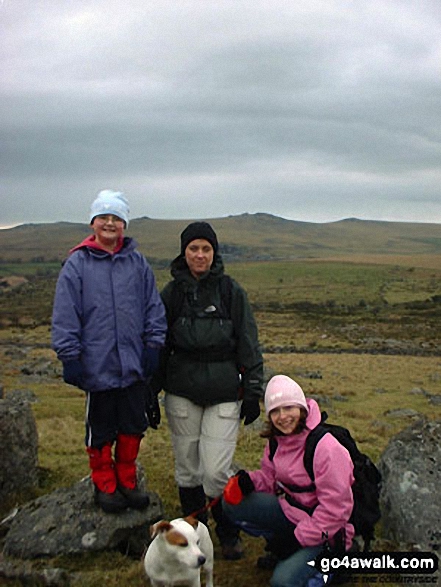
[(359, 390), (423, 261), (372, 385)]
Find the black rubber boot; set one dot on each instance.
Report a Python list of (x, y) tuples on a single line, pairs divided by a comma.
[(111, 503), (193, 503), (227, 533), (136, 498), (106, 494), (126, 452)]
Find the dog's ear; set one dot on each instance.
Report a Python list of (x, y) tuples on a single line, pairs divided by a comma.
[(192, 521), (159, 528)]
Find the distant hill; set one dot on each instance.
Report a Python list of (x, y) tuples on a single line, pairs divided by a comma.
[(243, 237)]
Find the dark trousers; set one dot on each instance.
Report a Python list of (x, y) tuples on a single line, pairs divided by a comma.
[(113, 412)]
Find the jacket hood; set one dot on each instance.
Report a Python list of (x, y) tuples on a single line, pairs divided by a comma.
[(90, 243), (314, 415)]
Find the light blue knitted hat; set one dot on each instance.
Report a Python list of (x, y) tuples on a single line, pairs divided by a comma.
[(110, 202)]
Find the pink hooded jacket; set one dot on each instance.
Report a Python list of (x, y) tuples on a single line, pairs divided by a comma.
[(333, 472)]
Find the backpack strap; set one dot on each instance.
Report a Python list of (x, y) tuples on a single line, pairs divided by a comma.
[(226, 296), (273, 444), (312, 440), (175, 303)]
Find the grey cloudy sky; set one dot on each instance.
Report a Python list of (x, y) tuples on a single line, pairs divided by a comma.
[(312, 110)]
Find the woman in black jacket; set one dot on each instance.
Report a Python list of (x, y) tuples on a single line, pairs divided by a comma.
[(212, 374)]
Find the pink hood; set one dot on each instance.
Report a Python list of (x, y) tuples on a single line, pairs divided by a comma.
[(332, 497)]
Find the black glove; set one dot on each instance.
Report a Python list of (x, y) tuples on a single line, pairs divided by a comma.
[(245, 483), (151, 360), (152, 407), (73, 372), (283, 545), (250, 410)]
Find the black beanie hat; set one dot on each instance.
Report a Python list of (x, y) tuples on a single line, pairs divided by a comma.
[(198, 230)]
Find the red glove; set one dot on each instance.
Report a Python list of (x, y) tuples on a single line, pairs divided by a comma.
[(232, 492)]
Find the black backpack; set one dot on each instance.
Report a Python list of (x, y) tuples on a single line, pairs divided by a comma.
[(366, 486)]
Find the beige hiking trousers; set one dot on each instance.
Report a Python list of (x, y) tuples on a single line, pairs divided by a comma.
[(204, 440)]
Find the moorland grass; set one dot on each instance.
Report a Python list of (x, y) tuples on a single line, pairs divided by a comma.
[(360, 391), (357, 390), (296, 302)]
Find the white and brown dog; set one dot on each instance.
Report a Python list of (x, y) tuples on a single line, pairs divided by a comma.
[(179, 550)]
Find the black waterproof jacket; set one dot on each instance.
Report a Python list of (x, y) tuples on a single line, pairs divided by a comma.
[(212, 352)]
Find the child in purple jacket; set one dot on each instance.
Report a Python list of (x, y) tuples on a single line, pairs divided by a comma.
[(108, 326)]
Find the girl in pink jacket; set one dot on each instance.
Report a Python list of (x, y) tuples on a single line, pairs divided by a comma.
[(298, 518)]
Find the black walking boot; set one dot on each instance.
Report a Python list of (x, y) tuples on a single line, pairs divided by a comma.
[(193, 503), (227, 533)]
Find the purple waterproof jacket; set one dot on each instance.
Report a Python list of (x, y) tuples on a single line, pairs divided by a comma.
[(106, 310), (333, 470)]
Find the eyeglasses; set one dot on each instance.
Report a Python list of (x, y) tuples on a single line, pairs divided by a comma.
[(103, 218)]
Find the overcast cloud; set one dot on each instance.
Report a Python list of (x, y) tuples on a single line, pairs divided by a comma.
[(312, 110)]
